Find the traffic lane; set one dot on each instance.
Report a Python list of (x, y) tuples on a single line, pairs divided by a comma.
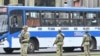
[(50, 52), (52, 49), (54, 54)]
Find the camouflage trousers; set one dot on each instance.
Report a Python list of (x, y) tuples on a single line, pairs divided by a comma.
[(86, 49), (59, 50), (24, 47)]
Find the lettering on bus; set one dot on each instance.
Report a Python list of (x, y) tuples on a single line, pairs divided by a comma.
[(98, 28), (86, 28), (64, 28), (83, 28), (39, 28), (75, 28), (78, 33), (51, 28)]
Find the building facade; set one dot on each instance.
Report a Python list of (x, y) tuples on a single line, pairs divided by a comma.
[(54, 3), (90, 3), (30, 2), (83, 3)]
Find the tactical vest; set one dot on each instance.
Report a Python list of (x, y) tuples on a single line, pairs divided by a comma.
[(87, 38)]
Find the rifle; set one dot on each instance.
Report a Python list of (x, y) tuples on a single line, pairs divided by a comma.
[(21, 38)]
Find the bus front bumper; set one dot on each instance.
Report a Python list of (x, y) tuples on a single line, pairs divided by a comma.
[(4, 44)]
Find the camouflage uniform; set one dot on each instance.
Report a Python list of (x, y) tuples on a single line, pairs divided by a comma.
[(24, 42), (86, 44), (59, 43)]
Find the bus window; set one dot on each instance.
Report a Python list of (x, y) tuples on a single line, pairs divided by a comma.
[(3, 20), (16, 20), (98, 16), (3, 23), (47, 15), (63, 15), (77, 19), (48, 18), (91, 19), (62, 18), (63, 22), (33, 18)]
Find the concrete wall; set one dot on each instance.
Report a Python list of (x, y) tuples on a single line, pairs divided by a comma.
[(58, 3), (13, 1), (1, 2), (29, 2), (90, 3)]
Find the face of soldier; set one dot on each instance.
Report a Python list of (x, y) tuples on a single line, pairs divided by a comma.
[(25, 29)]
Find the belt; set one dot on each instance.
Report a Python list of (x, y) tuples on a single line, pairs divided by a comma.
[(86, 41), (25, 42)]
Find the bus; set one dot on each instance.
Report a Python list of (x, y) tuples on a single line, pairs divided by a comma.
[(43, 24)]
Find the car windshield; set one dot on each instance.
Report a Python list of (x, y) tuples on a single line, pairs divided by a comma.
[(3, 23)]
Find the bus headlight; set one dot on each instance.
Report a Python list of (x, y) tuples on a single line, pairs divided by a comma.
[(2, 40), (5, 38)]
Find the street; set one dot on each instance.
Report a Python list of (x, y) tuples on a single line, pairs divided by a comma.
[(53, 54), (50, 52)]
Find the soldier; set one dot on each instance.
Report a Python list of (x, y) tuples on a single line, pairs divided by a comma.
[(86, 43), (24, 38), (59, 43)]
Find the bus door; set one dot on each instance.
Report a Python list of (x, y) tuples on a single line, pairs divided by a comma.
[(16, 20)]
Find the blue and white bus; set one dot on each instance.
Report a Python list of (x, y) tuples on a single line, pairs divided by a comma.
[(43, 25)]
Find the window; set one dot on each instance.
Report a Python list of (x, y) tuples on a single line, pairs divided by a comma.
[(77, 19), (16, 19), (21, 2), (47, 15), (33, 18), (62, 18), (91, 19), (6, 2), (3, 23), (44, 2), (77, 3), (48, 18), (98, 16)]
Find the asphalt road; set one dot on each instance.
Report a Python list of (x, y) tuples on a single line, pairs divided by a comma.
[(53, 54), (50, 52)]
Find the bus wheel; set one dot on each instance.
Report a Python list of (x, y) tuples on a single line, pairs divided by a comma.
[(31, 46), (93, 44), (8, 50)]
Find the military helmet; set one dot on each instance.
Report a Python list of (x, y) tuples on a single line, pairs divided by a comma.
[(86, 31), (59, 30), (25, 26)]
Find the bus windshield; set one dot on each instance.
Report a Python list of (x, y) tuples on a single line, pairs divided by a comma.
[(3, 23)]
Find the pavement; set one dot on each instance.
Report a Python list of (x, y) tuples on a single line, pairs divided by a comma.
[(50, 52)]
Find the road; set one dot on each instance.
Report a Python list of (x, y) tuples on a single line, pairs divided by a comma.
[(50, 52), (53, 54)]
